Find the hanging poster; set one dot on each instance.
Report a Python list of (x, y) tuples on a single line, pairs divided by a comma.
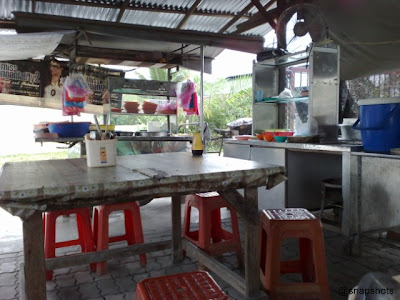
[(20, 78), (97, 79), (53, 73)]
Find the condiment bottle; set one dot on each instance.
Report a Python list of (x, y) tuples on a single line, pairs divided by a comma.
[(197, 144)]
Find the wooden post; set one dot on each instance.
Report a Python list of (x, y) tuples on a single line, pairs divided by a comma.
[(176, 229), (252, 272), (34, 270)]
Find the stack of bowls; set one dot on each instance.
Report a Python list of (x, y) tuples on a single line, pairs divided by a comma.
[(149, 107), (131, 107)]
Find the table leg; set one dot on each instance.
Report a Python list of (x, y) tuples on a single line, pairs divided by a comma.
[(252, 272), (34, 268), (351, 191), (176, 228)]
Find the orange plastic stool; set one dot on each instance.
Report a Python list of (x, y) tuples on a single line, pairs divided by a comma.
[(133, 229), (209, 206), (280, 224), (197, 285), (85, 239)]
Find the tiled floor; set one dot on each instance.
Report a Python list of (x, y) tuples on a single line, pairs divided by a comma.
[(379, 254)]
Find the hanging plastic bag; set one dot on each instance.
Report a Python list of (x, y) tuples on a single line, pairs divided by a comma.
[(187, 96), (309, 128), (74, 95), (76, 86)]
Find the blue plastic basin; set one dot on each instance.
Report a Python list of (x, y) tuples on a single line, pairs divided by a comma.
[(65, 129)]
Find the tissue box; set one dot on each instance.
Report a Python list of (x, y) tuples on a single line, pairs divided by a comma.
[(101, 153)]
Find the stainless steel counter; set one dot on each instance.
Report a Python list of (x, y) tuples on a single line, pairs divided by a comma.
[(369, 181), (337, 146)]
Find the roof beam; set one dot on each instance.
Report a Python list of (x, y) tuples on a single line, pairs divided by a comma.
[(273, 13), (122, 9), (7, 24), (235, 19), (263, 12), (139, 6), (137, 58), (188, 14), (28, 22)]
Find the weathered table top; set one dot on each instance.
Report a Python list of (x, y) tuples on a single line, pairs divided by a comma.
[(61, 184)]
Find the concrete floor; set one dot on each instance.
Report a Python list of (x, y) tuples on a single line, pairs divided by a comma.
[(379, 254)]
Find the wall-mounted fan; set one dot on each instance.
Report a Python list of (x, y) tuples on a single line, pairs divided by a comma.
[(300, 25)]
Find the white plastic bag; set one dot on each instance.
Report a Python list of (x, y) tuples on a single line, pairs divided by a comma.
[(286, 93), (309, 128)]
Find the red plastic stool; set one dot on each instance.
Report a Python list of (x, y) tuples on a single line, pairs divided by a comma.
[(133, 229), (280, 224), (85, 239), (209, 206), (197, 285)]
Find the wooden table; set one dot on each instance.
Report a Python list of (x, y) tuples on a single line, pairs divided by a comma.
[(29, 188)]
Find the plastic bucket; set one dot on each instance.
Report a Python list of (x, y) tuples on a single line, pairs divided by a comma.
[(101, 153), (379, 124)]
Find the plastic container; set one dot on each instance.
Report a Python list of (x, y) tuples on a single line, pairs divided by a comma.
[(110, 127), (280, 139), (101, 153), (284, 133), (379, 124), (269, 137), (68, 129)]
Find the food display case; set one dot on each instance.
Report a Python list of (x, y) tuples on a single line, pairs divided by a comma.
[(300, 84), (148, 141)]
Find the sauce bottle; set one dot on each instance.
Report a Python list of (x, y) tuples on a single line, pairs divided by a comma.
[(197, 144)]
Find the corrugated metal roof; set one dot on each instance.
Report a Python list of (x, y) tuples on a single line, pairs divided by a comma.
[(147, 18), (146, 13), (168, 25), (76, 11)]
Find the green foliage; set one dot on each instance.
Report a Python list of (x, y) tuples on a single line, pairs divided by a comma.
[(37, 156), (224, 100), (227, 100)]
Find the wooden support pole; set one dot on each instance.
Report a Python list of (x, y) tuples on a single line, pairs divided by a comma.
[(34, 270), (252, 277), (176, 228)]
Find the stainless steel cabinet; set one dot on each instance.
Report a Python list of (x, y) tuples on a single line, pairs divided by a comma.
[(237, 151)]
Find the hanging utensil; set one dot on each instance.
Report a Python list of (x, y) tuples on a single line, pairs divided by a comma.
[(106, 131), (98, 126)]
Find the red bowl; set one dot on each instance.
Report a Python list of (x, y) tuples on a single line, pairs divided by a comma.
[(130, 105), (132, 111), (147, 104), (149, 111), (268, 137)]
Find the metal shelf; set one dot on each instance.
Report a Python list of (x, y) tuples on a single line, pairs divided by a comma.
[(142, 114), (286, 60), (282, 100)]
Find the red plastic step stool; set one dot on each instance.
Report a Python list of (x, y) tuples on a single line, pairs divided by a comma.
[(280, 224), (197, 285), (85, 239), (133, 229), (210, 227)]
